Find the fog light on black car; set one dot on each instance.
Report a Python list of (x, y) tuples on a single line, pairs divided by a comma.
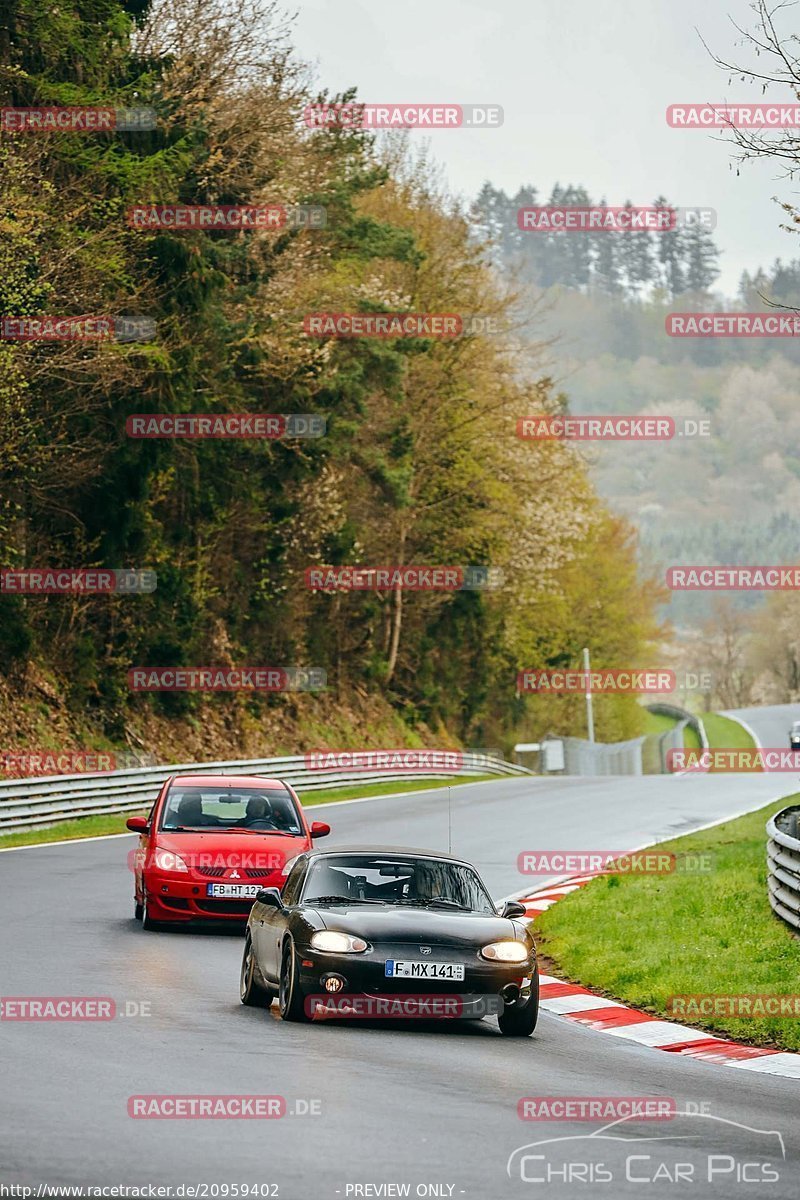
[(333, 983)]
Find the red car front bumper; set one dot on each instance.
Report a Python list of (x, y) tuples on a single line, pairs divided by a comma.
[(171, 898)]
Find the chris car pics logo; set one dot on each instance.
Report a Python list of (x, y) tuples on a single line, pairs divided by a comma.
[(696, 1148)]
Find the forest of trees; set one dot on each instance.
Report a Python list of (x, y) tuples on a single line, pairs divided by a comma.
[(624, 265), (419, 465), (731, 497)]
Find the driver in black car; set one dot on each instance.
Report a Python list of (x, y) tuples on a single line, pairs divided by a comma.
[(427, 883)]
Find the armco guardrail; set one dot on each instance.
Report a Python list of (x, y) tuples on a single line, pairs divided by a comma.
[(602, 758), (48, 799), (672, 739), (783, 864)]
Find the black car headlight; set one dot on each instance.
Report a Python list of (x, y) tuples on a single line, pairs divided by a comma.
[(334, 942), (506, 952)]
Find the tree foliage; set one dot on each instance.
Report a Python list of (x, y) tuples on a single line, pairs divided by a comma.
[(420, 463)]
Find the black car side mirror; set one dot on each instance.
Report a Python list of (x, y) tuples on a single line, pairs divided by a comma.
[(269, 896), (513, 908)]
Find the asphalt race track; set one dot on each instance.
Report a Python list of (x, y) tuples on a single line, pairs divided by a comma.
[(414, 1104)]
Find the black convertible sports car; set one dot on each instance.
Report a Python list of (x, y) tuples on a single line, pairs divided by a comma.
[(369, 931)]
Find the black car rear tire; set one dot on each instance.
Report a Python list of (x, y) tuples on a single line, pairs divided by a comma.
[(516, 1021), (251, 991), (291, 1000), (138, 909)]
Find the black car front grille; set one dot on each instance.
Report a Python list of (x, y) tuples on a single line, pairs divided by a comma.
[(212, 872), (417, 987)]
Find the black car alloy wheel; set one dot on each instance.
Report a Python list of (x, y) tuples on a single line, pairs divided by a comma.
[(290, 996)]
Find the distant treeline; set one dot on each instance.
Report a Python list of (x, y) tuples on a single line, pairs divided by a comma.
[(625, 265)]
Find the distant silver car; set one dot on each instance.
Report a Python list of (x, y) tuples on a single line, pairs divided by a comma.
[(794, 736)]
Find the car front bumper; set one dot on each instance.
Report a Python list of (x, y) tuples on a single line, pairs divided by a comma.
[(365, 975), (175, 897)]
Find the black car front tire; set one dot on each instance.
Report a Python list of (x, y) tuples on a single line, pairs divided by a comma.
[(291, 1000), (251, 991), (520, 1021)]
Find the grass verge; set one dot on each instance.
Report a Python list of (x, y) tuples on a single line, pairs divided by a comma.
[(722, 731), (643, 939), (102, 826)]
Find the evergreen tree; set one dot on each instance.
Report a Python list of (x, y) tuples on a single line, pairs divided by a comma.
[(669, 253), (605, 266), (699, 259), (635, 254)]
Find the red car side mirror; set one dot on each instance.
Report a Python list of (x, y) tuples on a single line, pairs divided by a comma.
[(137, 824), (319, 829)]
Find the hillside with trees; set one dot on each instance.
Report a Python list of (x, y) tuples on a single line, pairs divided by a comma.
[(730, 497), (419, 464)]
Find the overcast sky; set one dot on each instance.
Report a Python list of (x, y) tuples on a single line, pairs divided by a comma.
[(584, 87)]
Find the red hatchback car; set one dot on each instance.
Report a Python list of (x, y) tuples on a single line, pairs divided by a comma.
[(212, 842)]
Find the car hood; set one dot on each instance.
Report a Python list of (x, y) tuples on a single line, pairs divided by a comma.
[(402, 924), (233, 850)]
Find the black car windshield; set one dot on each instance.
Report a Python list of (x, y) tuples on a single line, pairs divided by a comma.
[(240, 809), (416, 882)]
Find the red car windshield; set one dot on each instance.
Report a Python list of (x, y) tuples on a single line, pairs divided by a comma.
[(262, 810)]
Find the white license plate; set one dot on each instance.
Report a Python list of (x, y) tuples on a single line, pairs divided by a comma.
[(399, 969), (233, 891)]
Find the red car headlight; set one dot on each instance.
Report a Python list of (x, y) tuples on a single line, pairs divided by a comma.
[(167, 860)]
